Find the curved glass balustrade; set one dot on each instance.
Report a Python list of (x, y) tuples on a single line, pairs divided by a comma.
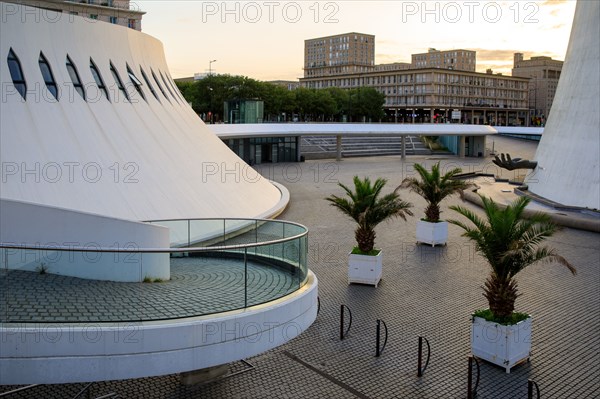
[(216, 265)]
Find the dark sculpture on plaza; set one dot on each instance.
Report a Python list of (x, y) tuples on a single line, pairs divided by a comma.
[(506, 162)]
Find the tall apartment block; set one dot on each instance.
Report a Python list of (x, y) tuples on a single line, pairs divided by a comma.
[(333, 55), (460, 59), (437, 86), (544, 73), (118, 12)]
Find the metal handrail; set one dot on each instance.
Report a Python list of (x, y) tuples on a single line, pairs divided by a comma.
[(247, 250), (11, 245)]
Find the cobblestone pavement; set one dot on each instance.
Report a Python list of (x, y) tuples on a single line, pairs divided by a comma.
[(425, 291), (198, 286)]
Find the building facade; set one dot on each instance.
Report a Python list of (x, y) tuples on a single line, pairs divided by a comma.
[(544, 73), (440, 95), (459, 59), (340, 54), (118, 12), (436, 87)]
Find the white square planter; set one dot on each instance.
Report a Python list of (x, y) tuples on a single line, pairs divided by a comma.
[(432, 233), (504, 346), (365, 269)]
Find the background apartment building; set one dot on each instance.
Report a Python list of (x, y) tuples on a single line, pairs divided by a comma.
[(119, 12), (437, 86), (460, 59), (347, 53), (544, 73)]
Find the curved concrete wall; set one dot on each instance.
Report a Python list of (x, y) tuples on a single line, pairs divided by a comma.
[(42, 226), (138, 160), (50, 354), (568, 155)]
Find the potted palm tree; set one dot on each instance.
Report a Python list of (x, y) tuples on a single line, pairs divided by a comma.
[(509, 243), (434, 187), (367, 208)]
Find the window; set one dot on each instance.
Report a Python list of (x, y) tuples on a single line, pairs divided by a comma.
[(75, 78), (93, 16), (118, 81), (98, 79), (167, 86), (16, 73), (148, 84), (48, 76), (136, 83), (175, 88), (159, 86), (131, 23), (113, 20)]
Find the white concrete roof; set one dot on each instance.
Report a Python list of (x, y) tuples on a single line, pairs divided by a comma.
[(226, 131), (568, 155), (137, 159)]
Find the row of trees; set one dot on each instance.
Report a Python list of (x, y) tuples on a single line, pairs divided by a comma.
[(282, 105)]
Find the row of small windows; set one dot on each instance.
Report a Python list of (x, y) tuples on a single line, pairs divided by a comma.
[(18, 79)]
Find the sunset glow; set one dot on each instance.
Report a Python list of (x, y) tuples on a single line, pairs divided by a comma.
[(265, 40)]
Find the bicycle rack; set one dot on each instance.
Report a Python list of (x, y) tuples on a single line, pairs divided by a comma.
[(421, 370), (318, 305), (472, 392), (342, 332), (378, 350), (530, 385)]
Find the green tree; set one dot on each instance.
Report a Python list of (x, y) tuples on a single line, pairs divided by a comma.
[(434, 187), (366, 103), (509, 243), (365, 206)]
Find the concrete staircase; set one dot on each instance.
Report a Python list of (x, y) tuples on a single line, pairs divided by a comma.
[(320, 147)]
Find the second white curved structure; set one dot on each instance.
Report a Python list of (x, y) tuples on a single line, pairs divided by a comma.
[(568, 155)]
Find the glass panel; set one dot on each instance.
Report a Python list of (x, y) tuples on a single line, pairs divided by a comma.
[(148, 84), (98, 79), (46, 73), (201, 281), (159, 86), (48, 77), (16, 74), (15, 69), (118, 81), (75, 78), (136, 83), (167, 86)]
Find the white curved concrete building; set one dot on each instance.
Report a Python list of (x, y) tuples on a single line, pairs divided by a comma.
[(568, 155), (137, 155), (95, 140)]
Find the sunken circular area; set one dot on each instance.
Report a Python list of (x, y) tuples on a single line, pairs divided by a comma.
[(198, 286)]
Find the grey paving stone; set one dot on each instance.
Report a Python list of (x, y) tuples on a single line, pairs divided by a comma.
[(424, 291)]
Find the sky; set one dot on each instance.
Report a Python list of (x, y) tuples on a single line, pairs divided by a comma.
[(264, 40)]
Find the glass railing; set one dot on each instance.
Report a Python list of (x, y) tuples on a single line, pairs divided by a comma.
[(216, 265)]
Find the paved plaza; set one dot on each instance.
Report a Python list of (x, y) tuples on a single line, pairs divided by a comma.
[(425, 291)]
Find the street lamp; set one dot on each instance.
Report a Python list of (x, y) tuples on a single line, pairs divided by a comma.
[(210, 66)]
